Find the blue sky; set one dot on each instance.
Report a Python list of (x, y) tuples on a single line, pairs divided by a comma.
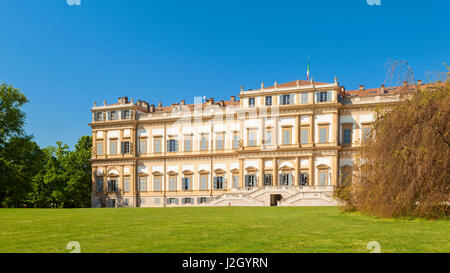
[(66, 57)]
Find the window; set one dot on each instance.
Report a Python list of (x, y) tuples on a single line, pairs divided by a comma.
[(172, 145), (267, 179), (304, 98), (202, 200), (347, 135), (172, 183), (235, 141), (268, 137), (157, 183), (219, 141), (268, 100), (112, 115), (99, 184), (142, 146), (188, 143), (235, 180), (113, 147), (304, 134), (172, 201), (303, 179), (203, 182), (287, 135), (142, 183), (142, 200), (157, 200), (157, 145), (251, 102), (250, 180), (99, 116), (287, 99), (186, 183), (126, 184), (113, 186), (286, 179), (323, 134), (126, 114), (251, 137), (365, 133), (219, 183), (203, 143), (323, 96), (125, 147), (99, 148), (187, 200), (323, 173), (126, 201)]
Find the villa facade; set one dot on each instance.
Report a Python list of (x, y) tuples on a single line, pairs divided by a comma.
[(285, 145)]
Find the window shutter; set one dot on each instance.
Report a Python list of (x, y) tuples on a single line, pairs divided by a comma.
[(109, 115), (280, 179), (168, 145), (291, 98), (280, 99), (176, 145), (329, 95), (246, 180)]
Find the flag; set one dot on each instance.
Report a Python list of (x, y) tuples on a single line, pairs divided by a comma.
[(307, 71)]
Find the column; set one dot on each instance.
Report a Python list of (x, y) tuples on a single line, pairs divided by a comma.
[(335, 128), (275, 172), (241, 173), (311, 171), (261, 172)]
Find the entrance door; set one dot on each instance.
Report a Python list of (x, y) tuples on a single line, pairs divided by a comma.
[(274, 198)]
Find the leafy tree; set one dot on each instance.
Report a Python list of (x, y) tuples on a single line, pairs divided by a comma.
[(65, 177)]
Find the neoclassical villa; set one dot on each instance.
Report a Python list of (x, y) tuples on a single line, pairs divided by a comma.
[(285, 145)]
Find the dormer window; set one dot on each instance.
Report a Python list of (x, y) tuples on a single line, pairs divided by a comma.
[(251, 102)]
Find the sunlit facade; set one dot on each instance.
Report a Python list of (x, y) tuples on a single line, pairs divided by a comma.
[(283, 145)]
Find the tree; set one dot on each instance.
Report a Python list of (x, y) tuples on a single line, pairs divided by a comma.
[(404, 170), (19, 155), (65, 177)]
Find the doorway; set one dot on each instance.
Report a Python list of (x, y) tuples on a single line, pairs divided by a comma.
[(274, 198)]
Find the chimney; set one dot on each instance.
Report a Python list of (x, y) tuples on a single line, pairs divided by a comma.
[(159, 104), (419, 82), (361, 87), (183, 102), (152, 108), (405, 83), (221, 103), (210, 101), (382, 89), (233, 98)]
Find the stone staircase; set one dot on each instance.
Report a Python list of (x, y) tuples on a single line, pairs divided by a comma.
[(291, 196)]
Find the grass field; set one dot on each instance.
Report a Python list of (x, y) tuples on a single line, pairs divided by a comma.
[(215, 229)]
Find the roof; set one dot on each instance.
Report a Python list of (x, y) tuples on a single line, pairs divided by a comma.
[(290, 84)]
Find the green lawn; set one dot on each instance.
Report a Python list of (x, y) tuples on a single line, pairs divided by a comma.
[(215, 229)]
